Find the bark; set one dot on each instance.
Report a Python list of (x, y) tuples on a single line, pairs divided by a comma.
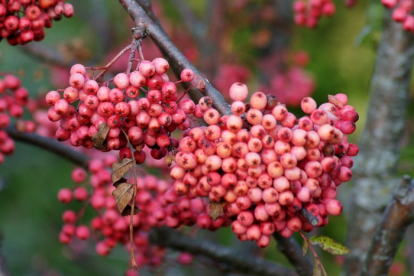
[(147, 27), (293, 252), (397, 217), (240, 261), (376, 162)]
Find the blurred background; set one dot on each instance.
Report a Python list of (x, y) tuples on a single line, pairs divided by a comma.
[(254, 42)]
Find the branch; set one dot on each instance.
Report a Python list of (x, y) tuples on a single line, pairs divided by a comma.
[(240, 261), (376, 163), (4, 270), (148, 27), (293, 252), (397, 217), (46, 54), (50, 145)]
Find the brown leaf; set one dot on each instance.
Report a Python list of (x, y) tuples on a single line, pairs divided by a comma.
[(199, 83), (119, 169), (335, 101), (216, 209), (168, 160), (123, 195), (120, 181), (99, 137), (127, 211)]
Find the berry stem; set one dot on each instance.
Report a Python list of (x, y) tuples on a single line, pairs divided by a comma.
[(112, 62), (131, 227), (313, 253)]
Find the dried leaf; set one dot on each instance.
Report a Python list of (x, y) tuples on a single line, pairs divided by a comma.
[(335, 101), (120, 181), (127, 211), (330, 245), (99, 137), (305, 247), (123, 195), (119, 169), (216, 209), (168, 160), (199, 83), (317, 270)]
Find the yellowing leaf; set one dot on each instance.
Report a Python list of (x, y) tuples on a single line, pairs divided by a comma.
[(119, 169), (330, 245), (305, 247), (317, 270)]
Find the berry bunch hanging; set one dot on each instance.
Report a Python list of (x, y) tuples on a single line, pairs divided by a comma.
[(265, 166), (22, 21)]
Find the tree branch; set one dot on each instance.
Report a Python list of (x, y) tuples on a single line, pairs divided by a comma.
[(397, 217), (376, 163), (293, 252), (50, 145), (46, 54), (240, 261), (148, 27)]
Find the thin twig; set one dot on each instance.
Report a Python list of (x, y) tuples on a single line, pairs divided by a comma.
[(101, 74), (131, 226)]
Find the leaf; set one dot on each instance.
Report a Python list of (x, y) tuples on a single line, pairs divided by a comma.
[(335, 101), (123, 195), (168, 160), (120, 181), (305, 247), (119, 169), (99, 137), (330, 245), (216, 209), (317, 270), (127, 211)]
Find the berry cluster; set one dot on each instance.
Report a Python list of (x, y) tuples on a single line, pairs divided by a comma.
[(109, 226), (266, 165), (148, 119), (308, 13), (38, 14), (13, 98)]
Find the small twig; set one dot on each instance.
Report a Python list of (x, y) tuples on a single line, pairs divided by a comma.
[(101, 74), (131, 226), (318, 262)]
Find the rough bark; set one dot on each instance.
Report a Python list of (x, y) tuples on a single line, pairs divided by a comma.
[(149, 28), (397, 217), (240, 261), (376, 162), (293, 252)]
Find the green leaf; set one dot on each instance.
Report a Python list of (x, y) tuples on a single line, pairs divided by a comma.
[(317, 271), (305, 247), (330, 245)]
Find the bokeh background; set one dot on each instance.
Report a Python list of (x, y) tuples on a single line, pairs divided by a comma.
[(253, 41)]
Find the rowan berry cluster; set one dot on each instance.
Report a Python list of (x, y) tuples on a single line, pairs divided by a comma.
[(308, 13), (37, 15), (13, 99), (148, 119), (109, 225), (266, 165)]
